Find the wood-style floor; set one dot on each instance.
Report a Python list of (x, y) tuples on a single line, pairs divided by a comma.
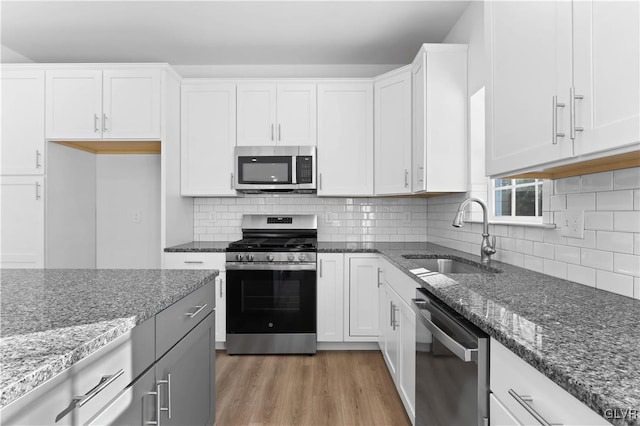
[(330, 388)]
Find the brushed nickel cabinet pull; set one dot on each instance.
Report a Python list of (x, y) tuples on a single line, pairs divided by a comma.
[(38, 196), (554, 121), (104, 123), (95, 123), (524, 400), (572, 112), (102, 384), (320, 269), (406, 178), (38, 165), (231, 180), (199, 309), (279, 132), (271, 131)]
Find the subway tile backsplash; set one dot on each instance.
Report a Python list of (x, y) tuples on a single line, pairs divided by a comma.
[(608, 257), (339, 219)]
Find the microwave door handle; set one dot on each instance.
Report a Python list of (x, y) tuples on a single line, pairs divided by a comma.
[(294, 169)]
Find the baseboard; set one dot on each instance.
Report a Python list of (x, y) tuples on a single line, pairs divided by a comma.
[(348, 346)]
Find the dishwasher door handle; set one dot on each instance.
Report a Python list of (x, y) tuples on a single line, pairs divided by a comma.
[(462, 352)]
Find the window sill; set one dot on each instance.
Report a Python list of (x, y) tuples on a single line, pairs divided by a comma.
[(516, 223)]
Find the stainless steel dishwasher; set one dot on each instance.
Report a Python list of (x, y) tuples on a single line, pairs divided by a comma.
[(452, 366)]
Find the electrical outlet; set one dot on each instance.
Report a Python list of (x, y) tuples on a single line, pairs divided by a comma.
[(136, 217), (572, 223), (328, 217), (407, 217)]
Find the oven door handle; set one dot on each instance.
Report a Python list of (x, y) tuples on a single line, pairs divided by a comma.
[(461, 351), (232, 266)]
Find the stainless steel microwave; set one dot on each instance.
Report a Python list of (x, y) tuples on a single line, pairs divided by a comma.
[(275, 169)]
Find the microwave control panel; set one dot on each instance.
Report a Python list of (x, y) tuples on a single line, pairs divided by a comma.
[(304, 169)]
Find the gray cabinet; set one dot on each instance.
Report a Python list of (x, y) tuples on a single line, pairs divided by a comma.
[(186, 375)]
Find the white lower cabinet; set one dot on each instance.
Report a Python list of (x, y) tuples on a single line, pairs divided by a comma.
[(22, 222), (330, 297), (398, 332), (361, 313), (512, 380), (206, 260)]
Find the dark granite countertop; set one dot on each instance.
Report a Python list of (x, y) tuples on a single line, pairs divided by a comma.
[(53, 318), (199, 247), (584, 339)]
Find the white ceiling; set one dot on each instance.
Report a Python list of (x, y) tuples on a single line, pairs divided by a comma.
[(225, 32)]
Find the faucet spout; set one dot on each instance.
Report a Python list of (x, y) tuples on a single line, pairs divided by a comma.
[(488, 247)]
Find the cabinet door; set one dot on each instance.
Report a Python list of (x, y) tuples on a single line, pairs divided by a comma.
[(135, 406), (529, 46), (221, 307), (330, 297), (393, 134), (392, 335), (208, 138), (363, 298), (131, 106), (22, 225), (189, 371), (407, 344), (345, 139), (296, 113), (22, 122), (74, 104), (606, 68), (419, 123), (256, 114)]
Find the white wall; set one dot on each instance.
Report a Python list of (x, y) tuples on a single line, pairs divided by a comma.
[(71, 208), (128, 185), (10, 56)]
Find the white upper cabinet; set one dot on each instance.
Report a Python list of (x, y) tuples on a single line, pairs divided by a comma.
[(606, 69), (296, 114), (563, 84), (22, 122), (208, 138), (393, 132), (439, 85), (345, 139), (74, 104), (276, 114), (529, 55), (92, 104), (131, 104), (22, 227), (256, 114)]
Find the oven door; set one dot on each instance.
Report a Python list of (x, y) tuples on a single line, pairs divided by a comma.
[(269, 300)]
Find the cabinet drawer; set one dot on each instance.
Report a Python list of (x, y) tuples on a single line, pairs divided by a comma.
[(510, 372), (194, 260), (500, 416), (174, 323), (115, 365)]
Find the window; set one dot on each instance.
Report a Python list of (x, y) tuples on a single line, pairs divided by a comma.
[(517, 200)]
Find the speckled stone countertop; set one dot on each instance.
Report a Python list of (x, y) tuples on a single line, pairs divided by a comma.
[(199, 247), (584, 339), (53, 318)]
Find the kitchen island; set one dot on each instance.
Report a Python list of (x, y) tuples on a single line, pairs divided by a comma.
[(53, 319)]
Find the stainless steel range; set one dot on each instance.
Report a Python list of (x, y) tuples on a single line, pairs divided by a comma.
[(271, 286)]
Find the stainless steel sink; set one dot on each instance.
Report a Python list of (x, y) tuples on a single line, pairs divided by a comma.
[(450, 265)]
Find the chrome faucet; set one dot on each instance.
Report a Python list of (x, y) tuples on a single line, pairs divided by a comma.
[(487, 248)]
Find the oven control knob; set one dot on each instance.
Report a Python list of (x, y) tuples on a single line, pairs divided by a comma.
[(250, 258), (291, 258), (269, 258), (239, 257), (302, 257)]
